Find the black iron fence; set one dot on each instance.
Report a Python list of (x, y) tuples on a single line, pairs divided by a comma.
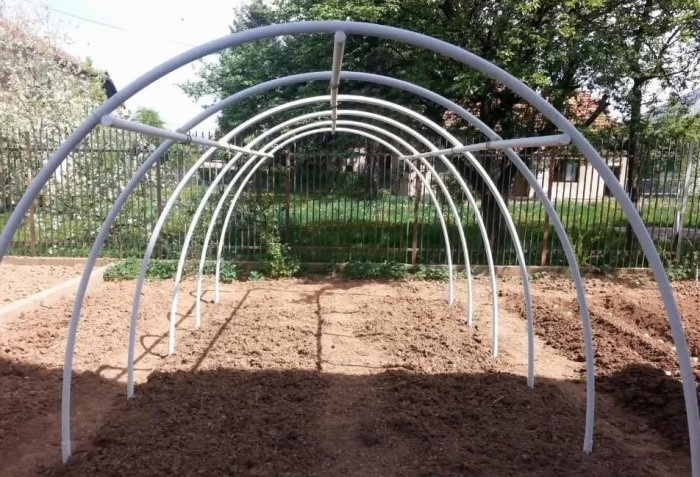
[(348, 200)]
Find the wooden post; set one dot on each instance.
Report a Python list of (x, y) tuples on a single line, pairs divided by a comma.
[(30, 174), (544, 256), (416, 206), (287, 193)]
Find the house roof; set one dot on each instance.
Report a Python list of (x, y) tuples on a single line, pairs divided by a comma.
[(578, 109), (689, 100)]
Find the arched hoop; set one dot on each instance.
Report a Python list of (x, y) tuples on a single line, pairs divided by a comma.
[(386, 32)]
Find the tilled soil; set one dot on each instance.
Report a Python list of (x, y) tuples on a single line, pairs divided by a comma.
[(635, 357), (326, 377), (20, 281)]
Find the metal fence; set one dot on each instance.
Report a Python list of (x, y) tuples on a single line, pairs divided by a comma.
[(342, 200)]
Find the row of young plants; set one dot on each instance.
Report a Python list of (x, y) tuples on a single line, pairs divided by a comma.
[(166, 269)]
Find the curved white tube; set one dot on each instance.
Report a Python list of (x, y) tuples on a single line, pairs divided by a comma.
[(229, 213), (470, 295), (380, 31)]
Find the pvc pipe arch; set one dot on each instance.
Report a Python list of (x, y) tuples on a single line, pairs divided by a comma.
[(413, 133), (522, 167), (450, 166), (385, 32), (380, 130), (480, 170)]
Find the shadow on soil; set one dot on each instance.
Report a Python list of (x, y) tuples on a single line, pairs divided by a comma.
[(233, 422)]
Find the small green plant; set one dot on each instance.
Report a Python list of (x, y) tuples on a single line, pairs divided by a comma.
[(228, 272), (280, 261), (685, 269), (255, 276), (125, 270)]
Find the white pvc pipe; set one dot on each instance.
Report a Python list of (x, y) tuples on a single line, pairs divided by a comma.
[(338, 51), (402, 126), (140, 128), (538, 141), (229, 213), (380, 31)]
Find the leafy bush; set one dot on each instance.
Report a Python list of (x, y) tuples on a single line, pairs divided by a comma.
[(255, 276), (161, 269), (228, 272), (279, 260), (124, 270), (429, 272), (369, 270)]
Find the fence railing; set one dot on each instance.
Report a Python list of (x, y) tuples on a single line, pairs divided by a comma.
[(348, 201)]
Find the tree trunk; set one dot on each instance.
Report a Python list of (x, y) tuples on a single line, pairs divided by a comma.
[(635, 124), (494, 220), (634, 159)]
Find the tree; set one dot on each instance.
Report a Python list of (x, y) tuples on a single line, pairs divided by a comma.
[(148, 116), (656, 45), (42, 86), (555, 47)]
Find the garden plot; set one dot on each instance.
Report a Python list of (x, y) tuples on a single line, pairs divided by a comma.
[(325, 376), (21, 281)]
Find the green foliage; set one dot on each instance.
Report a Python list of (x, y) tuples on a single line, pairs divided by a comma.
[(685, 268), (148, 116), (255, 276), (374, 270), (125, 270), (673, 123), (165, 269), (228, 272), (279, 260), (161, 269), (551, 45), (429, 272)]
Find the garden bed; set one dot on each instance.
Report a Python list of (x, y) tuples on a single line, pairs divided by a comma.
[(318, 377)]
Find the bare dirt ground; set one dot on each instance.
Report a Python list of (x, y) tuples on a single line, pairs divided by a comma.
[(324, 377), (20, 281)]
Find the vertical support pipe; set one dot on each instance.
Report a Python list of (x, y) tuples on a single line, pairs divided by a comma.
[(338, 52)]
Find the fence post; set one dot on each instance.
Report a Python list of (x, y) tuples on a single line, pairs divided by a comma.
[(545, 231), (680, 215), (416, 206), (287, 192), (30, 175)]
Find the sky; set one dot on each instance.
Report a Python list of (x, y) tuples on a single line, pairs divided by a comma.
[(129, 37)]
